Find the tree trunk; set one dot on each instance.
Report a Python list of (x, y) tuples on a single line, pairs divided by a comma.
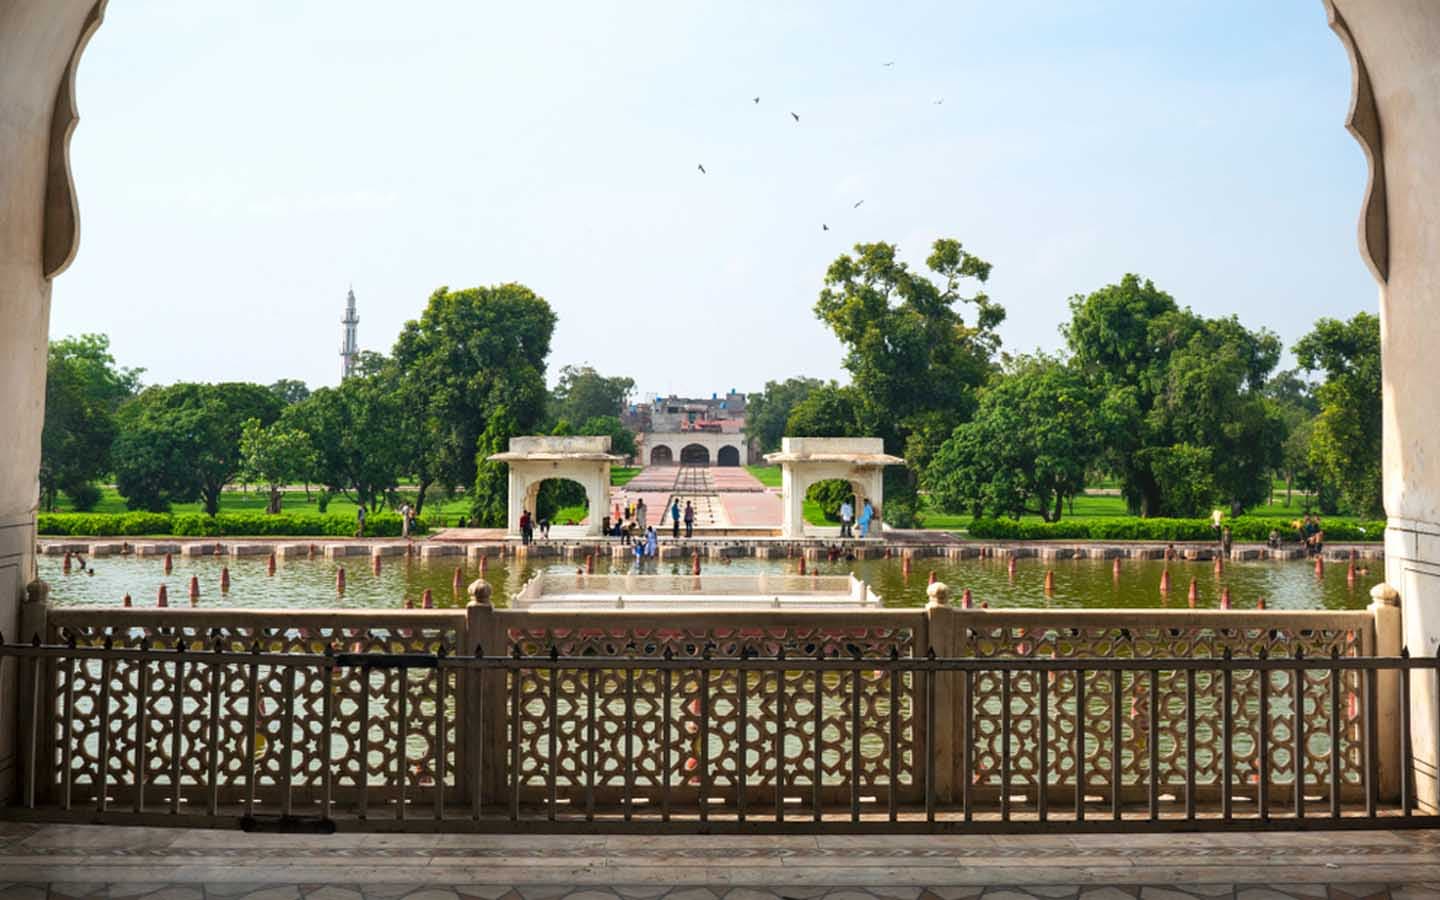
[(420, 496), (1059, 508), (276, 495), (211, 495), (1289, 486)]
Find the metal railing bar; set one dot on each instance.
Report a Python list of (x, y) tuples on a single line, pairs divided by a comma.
[(142, 729), (1407, 757), (592, 743), (742, 736), (102, 756), (1116, 744), (177, 725), (67, 734), (1262, 757), (1079, 745), (1191, 714), (817, 726), (1042, 768), (364, 742), (552, 740), (516, 736), (1297, 750), (1227, 739), (1337, 750), (1005, 746), (1372, 750), (928, 678), (287, 731), (442, 693), (252, 721), (856, 722), (629, 743), (402, 742), (217, 683), (704, 751), (892, 736), (1152, 739)]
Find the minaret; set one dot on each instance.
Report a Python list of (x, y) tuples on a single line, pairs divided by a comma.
[(349, 350)]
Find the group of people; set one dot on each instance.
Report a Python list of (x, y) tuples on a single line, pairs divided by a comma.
[(630, 524), (848, 521), (529, 524), (407, 520)]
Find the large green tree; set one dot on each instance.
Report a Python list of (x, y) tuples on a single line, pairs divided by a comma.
[(767, 412), (1175, 389), (470, 353), (182, 442), (489, 497), (1295, 401), (583, 394), (275, 455), (1027, 449), (83, 390), (914, 360), (359, 436), (1345, 444)]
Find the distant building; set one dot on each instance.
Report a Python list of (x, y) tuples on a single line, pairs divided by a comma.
[(349, 349), (671, 430)]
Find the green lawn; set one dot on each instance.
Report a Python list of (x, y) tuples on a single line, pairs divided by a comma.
[(294, 502), (622, 474), (766, 475)]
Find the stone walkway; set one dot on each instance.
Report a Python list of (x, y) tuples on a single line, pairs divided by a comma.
[(174, 864)]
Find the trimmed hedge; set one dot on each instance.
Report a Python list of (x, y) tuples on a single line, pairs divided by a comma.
[(1132, 528), (224, 524)]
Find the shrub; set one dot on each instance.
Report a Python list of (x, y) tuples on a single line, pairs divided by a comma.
[(252, 524), (84, 497), (1130, 528)]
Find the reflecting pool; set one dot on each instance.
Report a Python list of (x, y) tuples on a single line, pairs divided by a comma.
[(1078, 584)]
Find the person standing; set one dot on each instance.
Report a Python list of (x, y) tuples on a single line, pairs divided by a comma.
[(405, 520), (866, 514), (652, 543), (360, 521), (642, 514), (1225, 540), (689, 519), (675, 519), (525, 526), (847, 513)]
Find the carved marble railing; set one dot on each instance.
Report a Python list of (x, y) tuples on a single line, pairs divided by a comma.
[(336, 728)]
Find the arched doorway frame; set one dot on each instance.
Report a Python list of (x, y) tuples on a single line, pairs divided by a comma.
[(728, 455), (662, 455), (694, 455)]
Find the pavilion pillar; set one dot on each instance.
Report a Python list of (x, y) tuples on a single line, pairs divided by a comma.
[(793, 492), (40, 41), (1395, 58)]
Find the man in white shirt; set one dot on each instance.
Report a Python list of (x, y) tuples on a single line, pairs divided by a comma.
[(847, 513)]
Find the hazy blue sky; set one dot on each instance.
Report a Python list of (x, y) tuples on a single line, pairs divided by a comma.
[(239, 165)]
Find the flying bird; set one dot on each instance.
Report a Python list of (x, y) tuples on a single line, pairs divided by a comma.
[(824, 227), (890, 64), (702, 169), (757, 99), (857, 204), (939, 101), (795, 117)]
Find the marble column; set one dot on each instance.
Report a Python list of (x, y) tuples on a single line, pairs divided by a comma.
[(1395, 115)]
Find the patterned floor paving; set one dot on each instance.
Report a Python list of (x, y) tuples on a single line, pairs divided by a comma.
[(40, 862)]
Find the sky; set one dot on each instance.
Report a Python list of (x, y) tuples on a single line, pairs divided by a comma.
[(239, 166)]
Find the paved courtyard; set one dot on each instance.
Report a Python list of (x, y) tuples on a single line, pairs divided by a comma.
[(171, 864)]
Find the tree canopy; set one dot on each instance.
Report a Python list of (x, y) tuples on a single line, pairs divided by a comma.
[(84, 389), (915, 362), (583, 394), (1345, 444), (1179, 395), (182, 442), (1028, 448), (767, 412), (470, 353)]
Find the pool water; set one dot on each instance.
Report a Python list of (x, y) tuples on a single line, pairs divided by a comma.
[(1078, 584)]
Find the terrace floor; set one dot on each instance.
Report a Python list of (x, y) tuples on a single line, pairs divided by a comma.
[(174, 864)]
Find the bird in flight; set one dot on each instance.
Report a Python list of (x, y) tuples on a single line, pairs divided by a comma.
[(939, 101), (824, 227), (795, 116), (701, 168), (857, 204), (890, 64), (757, 99)]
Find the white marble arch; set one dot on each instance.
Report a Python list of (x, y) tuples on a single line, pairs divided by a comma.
[(535, 459), (1394, 46), (804, 461), (703, 448)]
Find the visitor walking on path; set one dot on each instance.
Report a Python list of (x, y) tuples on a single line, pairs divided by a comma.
[(641, 514), (847, 513), (639, 556), (689, 519), (675, 518), (652, 543), (866, 514), (360, 521)]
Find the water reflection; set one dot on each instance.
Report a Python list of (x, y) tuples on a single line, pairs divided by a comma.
[(1078, 584)]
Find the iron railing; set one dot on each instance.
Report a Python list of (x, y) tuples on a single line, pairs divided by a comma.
[(184, 737)]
